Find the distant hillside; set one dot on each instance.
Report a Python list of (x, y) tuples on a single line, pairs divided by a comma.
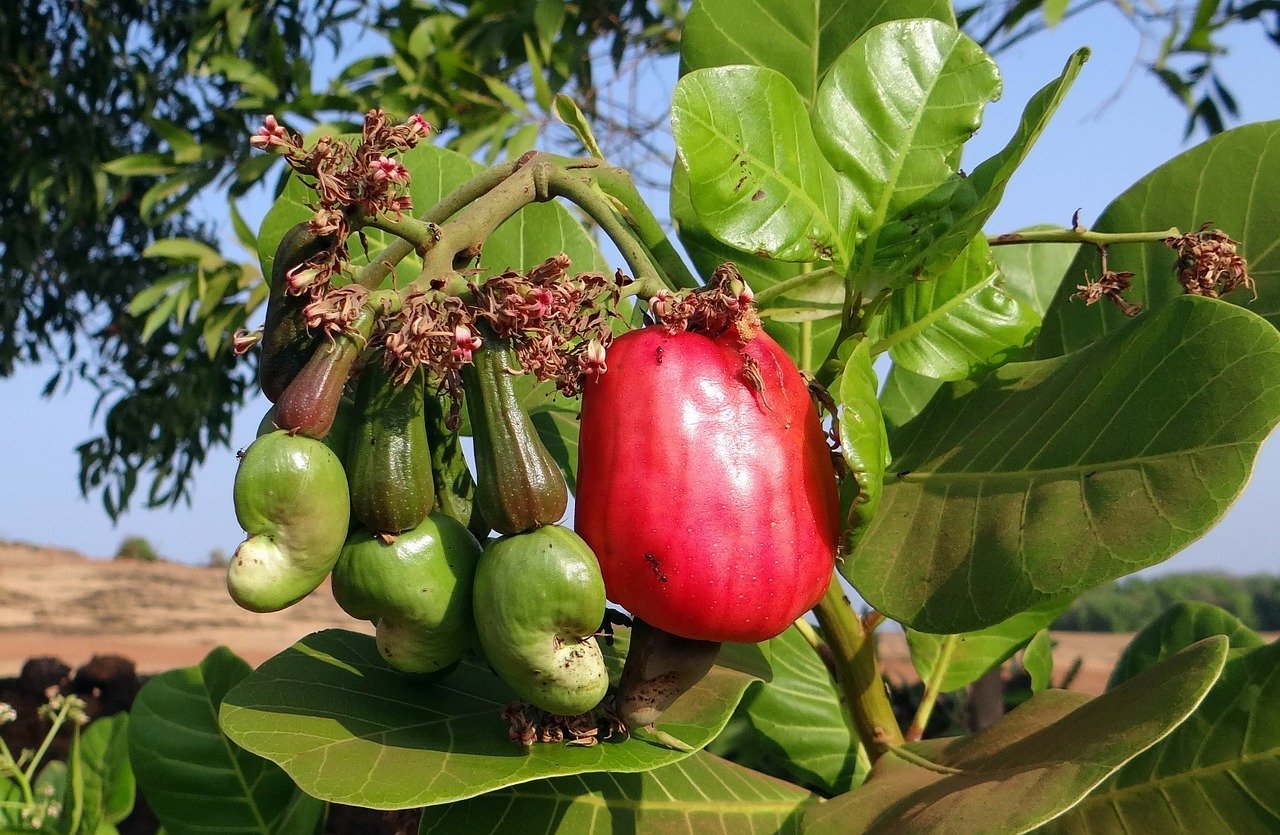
[(1130, 604)]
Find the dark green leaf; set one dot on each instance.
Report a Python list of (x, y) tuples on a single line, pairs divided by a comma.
[(799, 40), (905, 394), (1051, 477), (798, 719), (1037, 660), (700, 794), (1231, 181), (889, 117), (193, 778), (757, 181), (1029, 767), (957, 325), (977, 653), (1034, 271), (350, 729), (109, 785), (1180, 626), (1216, 773), (863, 442)]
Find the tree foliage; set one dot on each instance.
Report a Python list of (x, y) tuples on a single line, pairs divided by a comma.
[(119, 114), (1130, 604)]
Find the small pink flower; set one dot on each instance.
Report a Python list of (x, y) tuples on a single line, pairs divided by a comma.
[(419, 124), (539, 302), (660, 304), (271, 133), (300, 279), (593, 364), (385, 168), (465, 343)]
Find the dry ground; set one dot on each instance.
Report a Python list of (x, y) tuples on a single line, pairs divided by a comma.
[(164, 615)]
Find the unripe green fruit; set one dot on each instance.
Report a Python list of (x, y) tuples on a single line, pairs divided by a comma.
[(291, 498), (518, 484), (388, 457), (416, 590), (286, 342), (538, 601)]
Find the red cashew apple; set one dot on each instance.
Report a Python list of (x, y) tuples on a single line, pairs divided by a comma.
[(705, 484)]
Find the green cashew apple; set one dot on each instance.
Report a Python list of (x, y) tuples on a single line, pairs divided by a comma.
[(291, 497), (416, 590), (538, 600)]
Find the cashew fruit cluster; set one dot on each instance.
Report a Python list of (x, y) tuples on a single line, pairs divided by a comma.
[(706, 502), (357, 476)]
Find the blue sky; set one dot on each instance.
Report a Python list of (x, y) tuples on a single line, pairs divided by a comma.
[(1114, 127)]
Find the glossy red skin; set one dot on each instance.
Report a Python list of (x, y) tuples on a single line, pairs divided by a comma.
[(712, 507)]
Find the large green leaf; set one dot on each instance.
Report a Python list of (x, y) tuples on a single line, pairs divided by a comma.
[(760, 273), (799, 40), (533, 235), (702, 793), (799, 719), (890, 116), (1180, 626), (350, 729), (977, 653), (756, 179), (1034, 271), (1217, 772), (978, 195), (109, 785), (193, 778), (1231, 180), (958, 324), (863, 442), (1029, 767), (904, 395), (1050, 477)]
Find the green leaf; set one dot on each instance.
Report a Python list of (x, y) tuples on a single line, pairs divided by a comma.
[(798, 719), (1180, 625), (1053, 11), (702, 793), (159, 192), (1034, 271), (757, 180), (890, 117), (568, 112), (1037, 660), (799, 40), (1051, 477), (140, 165), (957, 325), (1230, 180), (185, 249), (707, 253), (147, 298), (905, 394), (977, 653), (1216, 773), (1029, 767), (350, 729), (534, 234), (950, 222), (193, 778), (109, 785), (863, 442)]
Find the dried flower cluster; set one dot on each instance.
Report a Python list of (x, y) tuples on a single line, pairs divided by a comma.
[(1110, 286), (350, 181), (1209, 263), (558, 325), (529, 724), (723, 303), (431, 330)]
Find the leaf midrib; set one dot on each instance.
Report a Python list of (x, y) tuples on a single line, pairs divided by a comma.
[(1100, 467), (1190, 775)]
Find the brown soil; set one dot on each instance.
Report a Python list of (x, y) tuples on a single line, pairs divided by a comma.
[(162, 615)]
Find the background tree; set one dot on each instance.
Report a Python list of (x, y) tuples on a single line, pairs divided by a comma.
[(119, 115)]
